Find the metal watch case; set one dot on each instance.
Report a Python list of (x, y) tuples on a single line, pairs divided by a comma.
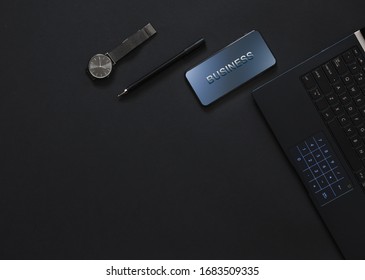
[(100, 66)]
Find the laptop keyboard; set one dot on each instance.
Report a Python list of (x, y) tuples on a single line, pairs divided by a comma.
[(337, 88), (320, 169)]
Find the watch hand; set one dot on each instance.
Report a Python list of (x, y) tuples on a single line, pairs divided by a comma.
[(99, 61)]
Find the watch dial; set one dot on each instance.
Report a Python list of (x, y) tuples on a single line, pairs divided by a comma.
[(100, 66)]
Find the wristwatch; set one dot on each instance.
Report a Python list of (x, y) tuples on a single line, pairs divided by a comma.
[(100, 65)]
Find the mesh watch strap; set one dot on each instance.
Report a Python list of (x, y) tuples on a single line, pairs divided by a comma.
[(131, 42)]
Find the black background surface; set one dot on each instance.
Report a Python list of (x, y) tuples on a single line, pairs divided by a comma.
[(155, 176)]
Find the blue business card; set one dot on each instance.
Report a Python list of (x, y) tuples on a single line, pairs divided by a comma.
[(230, 67)]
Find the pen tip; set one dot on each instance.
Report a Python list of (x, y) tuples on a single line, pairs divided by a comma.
[(122, 93)]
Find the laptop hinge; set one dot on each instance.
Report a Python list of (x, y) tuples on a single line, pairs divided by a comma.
[(362, 30), (360, 35)]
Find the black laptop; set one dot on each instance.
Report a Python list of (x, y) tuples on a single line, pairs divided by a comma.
[(317, 112)]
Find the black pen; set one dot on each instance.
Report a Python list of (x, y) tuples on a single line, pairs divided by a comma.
[(163, 66)]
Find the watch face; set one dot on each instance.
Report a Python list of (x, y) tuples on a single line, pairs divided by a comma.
[(100, 66)]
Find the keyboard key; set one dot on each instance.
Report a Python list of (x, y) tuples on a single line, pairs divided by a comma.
[(361, 152), (322, 104), (355, 141), (315, 93), (350, 109), (354, 90), (318, 155), (309, 159), (347, 79), (314, 186), (339, 65), (362, 111), (345, 98), (344, 120), (319, 140), (361, 130), (300, 162), (361, 178), (332, 163), (356, 119), (359, 101), (322, 181), (361, 61), (309, 81), (332, 99), (331, 73), (338, 173), (350, 130), (322, 80), (325, 151), (331, 178), (315, 170), (328, 115), (356, 51), (354, 68), (338, 110), (308, 175), (360, 175), (324, 166), (339, 88), (311, 144), (348, 57), (303, 149), (325, 196), (360, 78), (341, 187)]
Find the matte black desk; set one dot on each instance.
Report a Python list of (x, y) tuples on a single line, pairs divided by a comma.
[(155, 176)]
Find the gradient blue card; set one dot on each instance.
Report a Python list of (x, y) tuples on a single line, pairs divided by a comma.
[(230, 67)]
